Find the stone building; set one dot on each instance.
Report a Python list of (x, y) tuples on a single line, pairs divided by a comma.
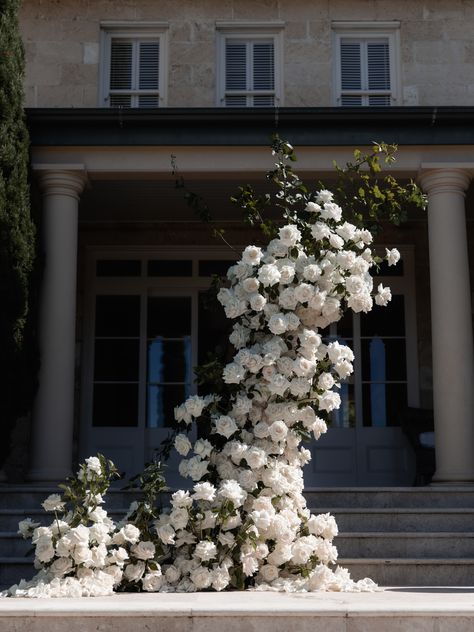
[(119, 91)]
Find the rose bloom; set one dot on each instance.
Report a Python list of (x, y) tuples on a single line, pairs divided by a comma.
[(182, 444), (233, 491), (329, 401), (152, 581), (289, 235), (145, 550), (278, 324), (269, 275), (257, 302), (53, 503), (233, 373), (278, 431), (181, 498), (325, 381), (383, 296), (195, 405), (226, 426), (251, 285), (172, 574), (201, 577), (133, 572), (252, 255), (205, 550), (312, 207), (255, 457), (204, 491), (392, 256)]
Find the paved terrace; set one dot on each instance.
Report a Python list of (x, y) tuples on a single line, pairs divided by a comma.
[(421, 609)]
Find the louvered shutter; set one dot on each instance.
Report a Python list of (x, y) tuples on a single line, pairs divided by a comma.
[(351, 72), (148, 73), (249, 68), (263, 72), (378, 71), (235, 72), (121, 72), (134, 73), (365, 72)]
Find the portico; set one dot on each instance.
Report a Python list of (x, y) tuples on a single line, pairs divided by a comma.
[(63, 168)]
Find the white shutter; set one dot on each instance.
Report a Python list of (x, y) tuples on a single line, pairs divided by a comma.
[(148, 73), (364, 72), (121, 72), (134, 72), (235, 72), (351, 72), (263, 72), (249, 70), (378, 71)]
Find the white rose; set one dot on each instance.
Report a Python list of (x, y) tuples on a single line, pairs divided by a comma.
[(331, 211), (324, 196), (329, 401), (320, 231), (312, 272), (269, 572), (152, 581), (204, 491), (325, 381), (255, 457), (201, 577), (203, 448), (197, 468), (257, 302), (278, 431), (346, 231), (278, 324), (392, 256), (226, 426), (182, 444), (252, 255), (145, 550), (93, 465), (233, 491), (44, 550), (383, 296), (233, 373), (181, 498), (269, 275), (289, 235), (115, 573), (26, 527), (61, 566), (195, 405), (82, 554), (336, 241), (304, 292), (172, 574), (251, 285), (312, 207), (53, 503), (133, 572), (166, 534), (205, 550), (361, 302)]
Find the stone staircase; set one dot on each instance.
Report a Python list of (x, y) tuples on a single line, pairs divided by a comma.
[(418, 536)]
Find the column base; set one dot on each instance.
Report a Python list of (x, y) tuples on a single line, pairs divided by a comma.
[(453, 479)]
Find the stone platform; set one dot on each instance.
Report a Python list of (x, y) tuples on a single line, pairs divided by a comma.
[(421, 609)]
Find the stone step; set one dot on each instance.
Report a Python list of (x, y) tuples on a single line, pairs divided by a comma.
[(412, 571), (405, 545), (397, 610), (12, 569), (456, 496), (352, 520), (13, 545)]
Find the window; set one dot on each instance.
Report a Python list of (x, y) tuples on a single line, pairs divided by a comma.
[(133, 65), (249, 64), (366, 68)]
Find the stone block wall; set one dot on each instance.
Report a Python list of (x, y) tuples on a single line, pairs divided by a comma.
[(62, 46)]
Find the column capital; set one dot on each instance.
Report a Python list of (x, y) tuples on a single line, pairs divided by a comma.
[(445, 179), (61, 179)]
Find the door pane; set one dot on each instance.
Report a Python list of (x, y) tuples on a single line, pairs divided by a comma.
[(169, 317), (117, 316), (169, 360), (384, 359), (115, 405), (383, 404), (161, 401), (385, 321), (116, 360)]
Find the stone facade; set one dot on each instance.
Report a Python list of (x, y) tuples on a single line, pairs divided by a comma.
[(62, 40)]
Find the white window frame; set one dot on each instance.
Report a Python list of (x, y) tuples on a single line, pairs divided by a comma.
[(133, 31), (364, 31), (250, 31)]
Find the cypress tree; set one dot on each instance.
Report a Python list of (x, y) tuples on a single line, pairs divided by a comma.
[(17, 229)]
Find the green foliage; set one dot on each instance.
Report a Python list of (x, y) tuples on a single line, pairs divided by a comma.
[(17, 230), (84, 493), (148, 484)]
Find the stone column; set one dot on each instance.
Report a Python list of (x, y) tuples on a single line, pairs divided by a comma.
[(53, 414), (451, 321)]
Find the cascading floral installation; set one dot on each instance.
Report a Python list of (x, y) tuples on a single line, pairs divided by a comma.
[(245, 523)]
